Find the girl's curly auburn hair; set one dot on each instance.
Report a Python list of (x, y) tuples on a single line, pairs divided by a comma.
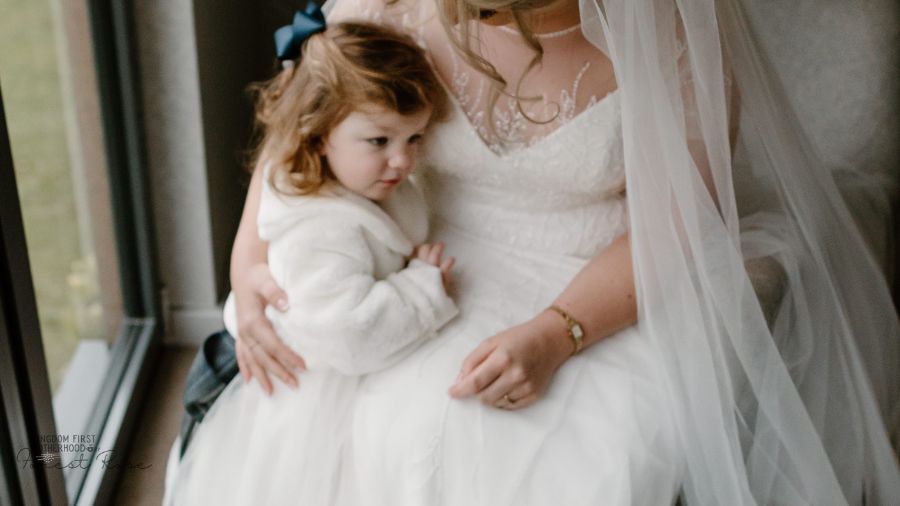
[(347, 65)]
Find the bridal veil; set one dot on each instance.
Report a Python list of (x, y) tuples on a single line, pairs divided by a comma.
[(781, 338)]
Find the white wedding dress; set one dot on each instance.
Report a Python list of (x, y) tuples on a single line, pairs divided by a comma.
[(521, 224), (522, 206), (703, 395)]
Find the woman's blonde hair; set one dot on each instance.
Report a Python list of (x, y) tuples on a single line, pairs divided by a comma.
[(457, 15), (342, 68)]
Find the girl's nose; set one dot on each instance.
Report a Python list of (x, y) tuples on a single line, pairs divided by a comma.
[(403, 159)]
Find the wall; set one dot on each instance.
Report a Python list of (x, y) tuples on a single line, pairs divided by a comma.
[(197, 58)]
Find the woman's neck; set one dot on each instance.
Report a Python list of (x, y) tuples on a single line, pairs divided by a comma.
[(555, 17)]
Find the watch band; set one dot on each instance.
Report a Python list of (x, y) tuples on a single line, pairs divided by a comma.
[(576, 332)]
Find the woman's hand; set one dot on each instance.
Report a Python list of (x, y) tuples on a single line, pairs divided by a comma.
[(517, 364), (431, 254), (512, 369), (259, 350)]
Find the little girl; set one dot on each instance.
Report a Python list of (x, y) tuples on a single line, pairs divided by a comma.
[(341, 130)]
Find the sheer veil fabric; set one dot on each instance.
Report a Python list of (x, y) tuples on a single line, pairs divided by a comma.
[(784, 401), (780, 338)]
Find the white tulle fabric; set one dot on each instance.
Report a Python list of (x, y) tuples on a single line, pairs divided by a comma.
[(786, 411)]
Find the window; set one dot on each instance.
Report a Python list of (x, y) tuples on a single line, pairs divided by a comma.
[(77, 288)]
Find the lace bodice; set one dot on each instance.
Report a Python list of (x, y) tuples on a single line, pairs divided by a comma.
[(563, 193), (551, 95), (513, 129)]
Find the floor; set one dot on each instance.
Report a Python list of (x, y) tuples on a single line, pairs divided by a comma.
[(160, 421)]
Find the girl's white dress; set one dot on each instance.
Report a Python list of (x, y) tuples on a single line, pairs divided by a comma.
[(356, 307)]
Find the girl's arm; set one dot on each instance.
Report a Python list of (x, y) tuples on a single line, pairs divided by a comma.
[(520, 362), (259, 351), (341, 314)]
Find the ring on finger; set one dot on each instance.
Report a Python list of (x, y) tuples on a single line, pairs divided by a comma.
[(505, 402)]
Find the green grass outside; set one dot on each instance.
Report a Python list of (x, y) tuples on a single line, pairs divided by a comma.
[(32, 97)]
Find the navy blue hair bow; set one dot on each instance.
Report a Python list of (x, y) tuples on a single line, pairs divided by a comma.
[(289, 39)]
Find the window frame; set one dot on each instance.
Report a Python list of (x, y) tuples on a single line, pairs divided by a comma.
[(26, 409)]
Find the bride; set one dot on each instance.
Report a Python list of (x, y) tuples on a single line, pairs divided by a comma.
[(634, 324)]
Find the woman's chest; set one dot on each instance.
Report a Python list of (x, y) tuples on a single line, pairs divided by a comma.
[(579, 162)]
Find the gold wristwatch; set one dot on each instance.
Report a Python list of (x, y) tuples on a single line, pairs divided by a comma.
[(576, 333)]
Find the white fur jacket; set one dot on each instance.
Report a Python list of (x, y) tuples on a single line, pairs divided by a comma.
[(356, 306)]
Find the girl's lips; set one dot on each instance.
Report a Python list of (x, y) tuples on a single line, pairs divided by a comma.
[(389, 181)]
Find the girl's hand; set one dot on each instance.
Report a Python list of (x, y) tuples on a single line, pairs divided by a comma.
[(515, 365), (431, 254), (259, 350)]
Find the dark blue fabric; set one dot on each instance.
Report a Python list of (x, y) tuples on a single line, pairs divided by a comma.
[(289, 39), (214, 367)]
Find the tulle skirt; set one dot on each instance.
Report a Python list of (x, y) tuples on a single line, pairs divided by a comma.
[(290, 448), (602, 434)]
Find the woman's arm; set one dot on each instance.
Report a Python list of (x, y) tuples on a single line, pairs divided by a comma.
[(259, 351), (520, 362)]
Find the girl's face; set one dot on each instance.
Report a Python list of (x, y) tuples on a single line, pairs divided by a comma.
[(373, 149)]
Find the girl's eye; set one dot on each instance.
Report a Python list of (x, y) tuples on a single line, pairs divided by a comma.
[(484, 14), (415, 139), (378, 141)]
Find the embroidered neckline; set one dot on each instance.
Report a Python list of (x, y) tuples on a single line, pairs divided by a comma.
[(510, 125)]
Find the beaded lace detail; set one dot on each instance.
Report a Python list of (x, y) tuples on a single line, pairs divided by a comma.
[(513, 129), (562, 193), (515, 126)]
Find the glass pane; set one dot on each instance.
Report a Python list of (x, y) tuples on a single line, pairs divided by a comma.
[(53, 116)]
